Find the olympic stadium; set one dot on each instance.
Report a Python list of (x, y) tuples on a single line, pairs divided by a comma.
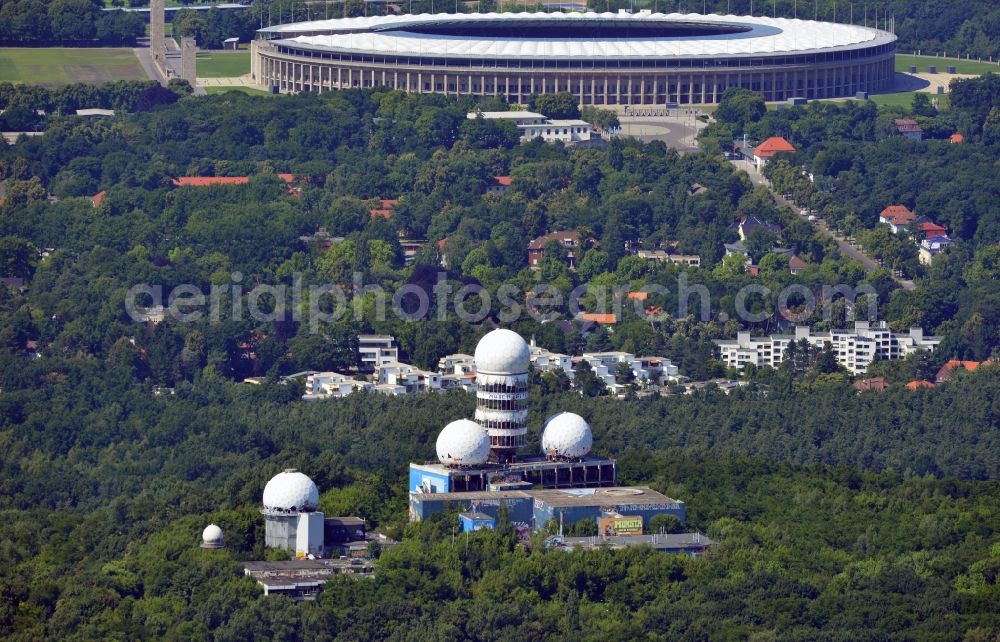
[(603, 58)]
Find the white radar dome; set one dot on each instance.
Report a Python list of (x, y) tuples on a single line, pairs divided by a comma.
[(463, 443), (566, 434), (291, 491), (211, 537), (502, 352)]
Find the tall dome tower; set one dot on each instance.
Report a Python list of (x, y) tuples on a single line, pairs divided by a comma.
[(291, 518), (502, 359)]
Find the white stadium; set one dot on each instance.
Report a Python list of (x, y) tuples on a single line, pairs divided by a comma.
[(603, 58)]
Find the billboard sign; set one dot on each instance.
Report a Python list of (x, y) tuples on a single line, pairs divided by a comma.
[(620, 525)]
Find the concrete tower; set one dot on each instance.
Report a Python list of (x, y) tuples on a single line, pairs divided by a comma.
[(157, 35), (291, 520), (502, 359), (189, 69)]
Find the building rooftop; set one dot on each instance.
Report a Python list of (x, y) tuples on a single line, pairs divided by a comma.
[(509, 115), (567, 498), (772, 146)]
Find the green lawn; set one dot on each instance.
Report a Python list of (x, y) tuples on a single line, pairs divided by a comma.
[(905, 99), (223, 64), (903, 63), (58, 66), (245, 90)]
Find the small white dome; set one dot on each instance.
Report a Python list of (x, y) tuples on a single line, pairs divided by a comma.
[(211, 537), (463, 443), (291, 491), (566, 434), (502, 352)]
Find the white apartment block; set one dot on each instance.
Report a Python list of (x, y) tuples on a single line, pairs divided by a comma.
[(855, 349), (376, 349), (651, 369), (457, 364), (411, 378), (333, 385)]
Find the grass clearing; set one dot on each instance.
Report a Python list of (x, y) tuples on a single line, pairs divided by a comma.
[(223, 64), (903, 63), (905, 99), (53, 66), (246, 90)]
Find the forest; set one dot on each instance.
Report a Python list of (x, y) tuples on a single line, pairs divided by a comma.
[(838, 515)]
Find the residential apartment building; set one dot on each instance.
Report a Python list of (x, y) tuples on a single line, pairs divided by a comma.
[(376, 349), (855, 349), (411, 378), (543, 360), (652, 369)]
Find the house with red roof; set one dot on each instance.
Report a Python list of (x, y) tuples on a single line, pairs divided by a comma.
[(766, 151), (948, 370), (931, 229), (384, 209), (897, 217), (98, 198), (498, 185), (922, 383), (956, 138), (599, 318)]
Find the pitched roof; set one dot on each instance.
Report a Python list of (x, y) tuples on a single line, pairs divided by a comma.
[(922, 383), (907, 126), (795, 263), (502, 181), (932, 229), (567, 235), (949, 368), (638, 296), (597, 317), (957, 138), (98, 198), (875, 383), (898, 215), (772, 146)]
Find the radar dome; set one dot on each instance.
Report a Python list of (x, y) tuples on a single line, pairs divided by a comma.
[(211, 537), (291, 491), (502, 352), (463, 443), (566, 434)]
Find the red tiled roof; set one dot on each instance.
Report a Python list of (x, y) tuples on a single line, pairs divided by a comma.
[(948, 369), (98, 198), (380, 213), (441, 243), (922, 383), (597, 317), (772, 146), (957, 138), (638, 296), (931, 229), (502, 181), (898, 215)]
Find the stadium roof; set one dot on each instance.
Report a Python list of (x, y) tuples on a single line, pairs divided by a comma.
[(415, 35)]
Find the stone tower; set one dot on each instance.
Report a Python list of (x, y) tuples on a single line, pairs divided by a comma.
[(189, 67)]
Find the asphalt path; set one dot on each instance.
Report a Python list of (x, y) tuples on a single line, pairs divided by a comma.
[(846, 247)]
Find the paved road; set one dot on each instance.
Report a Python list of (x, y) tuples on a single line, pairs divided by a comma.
[(845, 248)]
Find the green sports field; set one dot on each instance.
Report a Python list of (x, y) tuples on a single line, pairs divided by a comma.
[(223, 64), (903, 63), (59, 66)]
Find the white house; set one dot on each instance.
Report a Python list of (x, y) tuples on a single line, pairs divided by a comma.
[(412, 378), (533, 125), (543, 360), (376, 349)]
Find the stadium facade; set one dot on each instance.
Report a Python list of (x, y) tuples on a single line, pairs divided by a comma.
[(604, 59)]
